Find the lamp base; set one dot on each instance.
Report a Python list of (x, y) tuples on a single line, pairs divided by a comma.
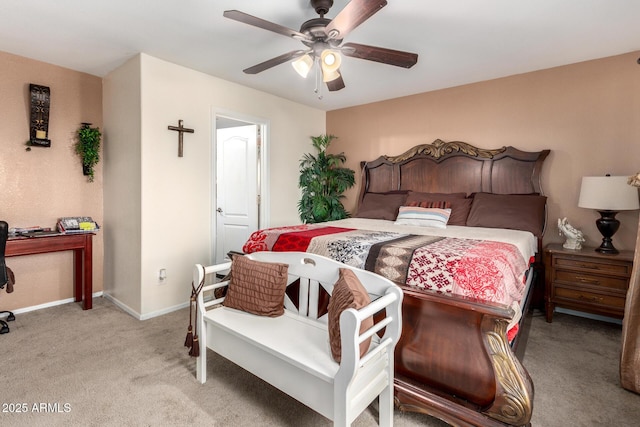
[(607, 225), (607, 248)]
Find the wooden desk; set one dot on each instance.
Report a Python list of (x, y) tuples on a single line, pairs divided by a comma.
[(80, 244)]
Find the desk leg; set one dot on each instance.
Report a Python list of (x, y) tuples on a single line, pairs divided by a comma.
[(77, 273), (88, 272), (83, 273)]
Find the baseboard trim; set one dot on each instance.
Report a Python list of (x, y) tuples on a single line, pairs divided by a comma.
[(164, 311), (115, 301), (122, 306), (51, 304), (589, 315), (146, 316)]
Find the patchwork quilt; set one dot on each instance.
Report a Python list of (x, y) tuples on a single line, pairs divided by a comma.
[(481, 269)]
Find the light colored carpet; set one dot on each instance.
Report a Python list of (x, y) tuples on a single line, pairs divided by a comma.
[(68, 367)]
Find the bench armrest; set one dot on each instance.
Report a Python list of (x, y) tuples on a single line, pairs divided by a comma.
[(350, 336), (200, 273)]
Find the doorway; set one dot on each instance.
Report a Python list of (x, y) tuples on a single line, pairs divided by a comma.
[(238, 202)]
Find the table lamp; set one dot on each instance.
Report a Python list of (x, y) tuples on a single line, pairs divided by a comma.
[(608, 195)]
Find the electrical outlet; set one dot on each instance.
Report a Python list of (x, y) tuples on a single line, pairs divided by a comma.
[(162, 275)]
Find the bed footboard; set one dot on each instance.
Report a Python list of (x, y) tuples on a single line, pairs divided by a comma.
[(472, 380)]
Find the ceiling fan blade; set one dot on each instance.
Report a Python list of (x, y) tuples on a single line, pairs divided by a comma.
[(336, 84), (274, 61), (266, 25), (353, 14), (380, 54)]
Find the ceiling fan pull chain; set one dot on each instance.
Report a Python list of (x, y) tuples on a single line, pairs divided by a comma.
[(318, 78)]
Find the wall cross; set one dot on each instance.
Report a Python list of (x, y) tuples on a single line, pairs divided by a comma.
[(181, 130)]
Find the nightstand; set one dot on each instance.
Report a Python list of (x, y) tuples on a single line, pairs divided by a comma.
[(586, 280)]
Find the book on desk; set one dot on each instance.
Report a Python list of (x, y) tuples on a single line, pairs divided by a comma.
[(77, 224), (34, 231)]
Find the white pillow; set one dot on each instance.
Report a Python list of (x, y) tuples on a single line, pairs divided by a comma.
[(423, 217)]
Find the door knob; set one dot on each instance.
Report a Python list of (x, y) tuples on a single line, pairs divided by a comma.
[(219, 210)]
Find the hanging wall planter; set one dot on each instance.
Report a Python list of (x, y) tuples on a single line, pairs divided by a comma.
[(88, 147)]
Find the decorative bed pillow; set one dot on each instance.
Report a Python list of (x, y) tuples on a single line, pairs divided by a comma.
[(381, 205), (257, 287), (441, 204), (423, 217), (460, 204), (348, 292), (514, 211), (416, 196)]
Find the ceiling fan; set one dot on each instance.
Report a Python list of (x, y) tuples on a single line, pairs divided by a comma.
[(323, 38)]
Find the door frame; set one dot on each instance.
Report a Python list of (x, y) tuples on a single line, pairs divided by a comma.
[(263, 169)]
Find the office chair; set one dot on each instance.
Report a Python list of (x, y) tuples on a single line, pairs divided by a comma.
[(4, 275)]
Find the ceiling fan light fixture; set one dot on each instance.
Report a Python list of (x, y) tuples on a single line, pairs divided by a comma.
[(330, 63), (329, 76), (330, 60), (303, 65)]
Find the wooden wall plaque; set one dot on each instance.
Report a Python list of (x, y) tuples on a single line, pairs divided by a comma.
[(39, 126)]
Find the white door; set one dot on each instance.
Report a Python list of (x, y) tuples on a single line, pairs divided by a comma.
[(236, 188)]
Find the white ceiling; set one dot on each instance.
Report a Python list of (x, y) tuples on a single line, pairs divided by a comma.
[(458, 41)]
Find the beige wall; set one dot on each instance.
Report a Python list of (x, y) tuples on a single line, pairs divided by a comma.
[(170, 197), (122, 188), (588, 114), (39, 186)]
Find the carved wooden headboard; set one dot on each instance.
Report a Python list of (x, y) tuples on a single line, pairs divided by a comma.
[(452, 167)]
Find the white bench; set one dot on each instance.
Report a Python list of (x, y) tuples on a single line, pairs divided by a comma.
[(292, 351)]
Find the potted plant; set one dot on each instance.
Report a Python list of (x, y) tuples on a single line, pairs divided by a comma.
[(323, 180), (88, 147)]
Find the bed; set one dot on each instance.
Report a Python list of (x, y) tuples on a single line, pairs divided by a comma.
[(444, 221)]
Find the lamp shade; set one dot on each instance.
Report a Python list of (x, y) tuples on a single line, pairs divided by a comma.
[(329, 76), (303, 65), (610, 193)]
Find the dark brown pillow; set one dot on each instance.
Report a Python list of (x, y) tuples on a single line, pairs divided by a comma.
[(348, 292), (381, 205), (460, 205), (514, 211), (257, 287)]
